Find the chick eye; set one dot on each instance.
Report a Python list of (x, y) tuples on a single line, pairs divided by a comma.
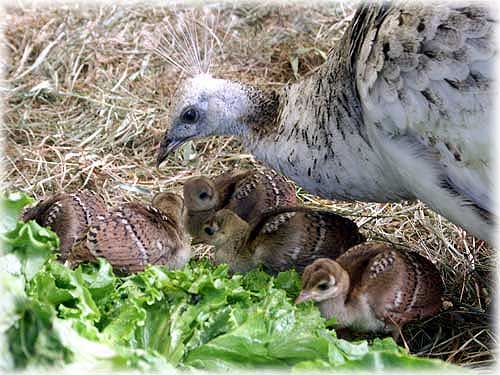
[(190, 115), (210, 231), (203, 195), (323, 286)]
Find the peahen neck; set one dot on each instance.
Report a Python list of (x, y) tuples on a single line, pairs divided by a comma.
[(312, 131)]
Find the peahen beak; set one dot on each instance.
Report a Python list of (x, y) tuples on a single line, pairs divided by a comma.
[(168, 145)]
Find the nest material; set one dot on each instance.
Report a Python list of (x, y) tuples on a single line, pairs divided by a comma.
[(86, 104)]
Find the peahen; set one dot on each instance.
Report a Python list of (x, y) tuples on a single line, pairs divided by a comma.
[(401, 110)]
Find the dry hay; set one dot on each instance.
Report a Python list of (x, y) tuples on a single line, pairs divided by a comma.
[(86, 104)]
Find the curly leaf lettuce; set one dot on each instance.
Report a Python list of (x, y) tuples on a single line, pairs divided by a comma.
[(11, 206), (197, 317), (49, 312)]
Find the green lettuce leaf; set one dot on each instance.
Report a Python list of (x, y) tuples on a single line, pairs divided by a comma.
[(32, 244), (11, 207), (196, 317)]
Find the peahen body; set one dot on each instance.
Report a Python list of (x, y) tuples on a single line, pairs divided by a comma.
[(401, 110)]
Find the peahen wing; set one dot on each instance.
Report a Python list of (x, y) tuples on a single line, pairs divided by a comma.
[(425, 77)]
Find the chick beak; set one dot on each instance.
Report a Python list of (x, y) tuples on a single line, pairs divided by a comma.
[(167, 145), (303, 296)]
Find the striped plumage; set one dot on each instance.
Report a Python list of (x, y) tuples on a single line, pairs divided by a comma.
[(247, 193), (281, 239), (69, 215), (133, 236), (401, 109), (374, 287)]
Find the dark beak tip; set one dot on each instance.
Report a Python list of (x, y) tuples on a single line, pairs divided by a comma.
[(159, 160), (164, 150), (167, 146)]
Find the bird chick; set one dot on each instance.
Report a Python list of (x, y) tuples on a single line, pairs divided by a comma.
[(247, 193), (68, 215), (133, 236), (171, 204), (373, 287), (283, 238), (202, 193), (202, 201)]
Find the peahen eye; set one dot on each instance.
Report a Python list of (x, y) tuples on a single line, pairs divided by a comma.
[(190, 115), (323, 286), (203, 195)]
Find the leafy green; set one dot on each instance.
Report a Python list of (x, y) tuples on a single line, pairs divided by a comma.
[(11, 207), (198, 317), (12, 290), (32, 244)]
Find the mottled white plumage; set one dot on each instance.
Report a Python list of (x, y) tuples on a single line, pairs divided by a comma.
[(402, 109), (428, 105)]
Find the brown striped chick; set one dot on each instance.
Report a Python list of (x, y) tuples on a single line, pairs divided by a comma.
[(281, 239), (373, 287), (133, 236), (201, 198), (68, 215), (247, 193)]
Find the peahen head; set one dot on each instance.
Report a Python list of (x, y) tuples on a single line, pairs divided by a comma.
[(205, 106)]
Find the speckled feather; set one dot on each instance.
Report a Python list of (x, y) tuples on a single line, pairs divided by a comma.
[(426, 84), (399, 285), (133, 236), (379, 288), (247, 193), (304, 237), (401, 110), (259, 192), (282, 238), (69, 215)]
